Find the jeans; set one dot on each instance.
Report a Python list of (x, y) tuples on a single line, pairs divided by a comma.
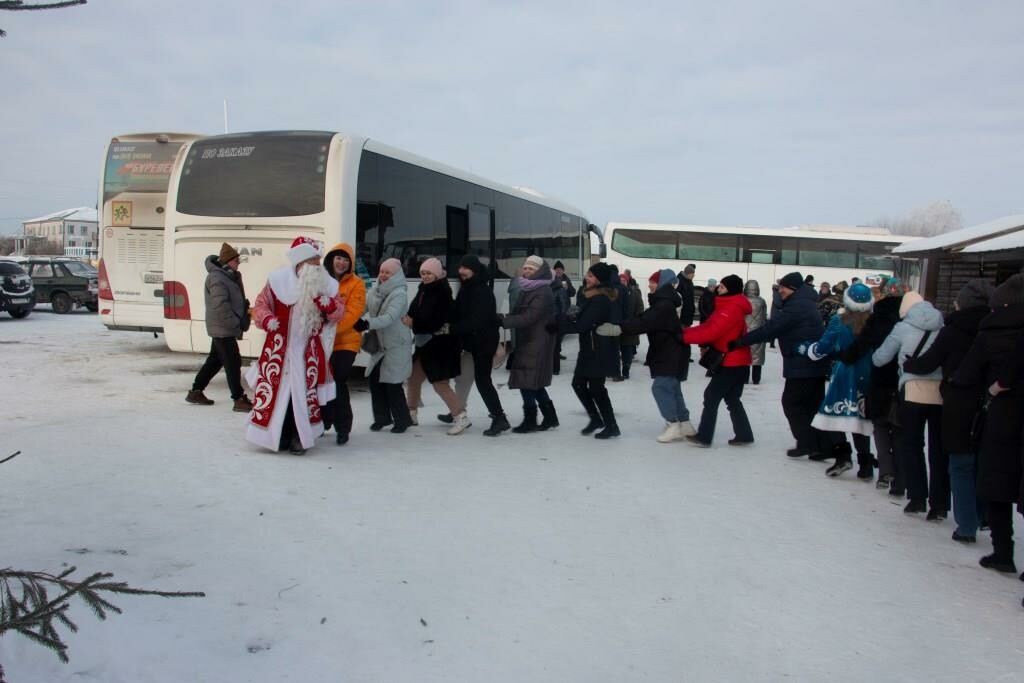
[(669, 397), (801, 397), (962, 476), (339, 411), (726, 384), (531, 397), (223, 354), (932, 484)]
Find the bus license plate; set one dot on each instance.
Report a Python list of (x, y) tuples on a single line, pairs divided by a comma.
[(153, 278)]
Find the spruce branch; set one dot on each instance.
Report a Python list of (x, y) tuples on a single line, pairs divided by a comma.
[(26, 607)]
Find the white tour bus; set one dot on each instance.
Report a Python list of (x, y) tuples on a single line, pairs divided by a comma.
[(258, 191), (829, 253), (132, 200)]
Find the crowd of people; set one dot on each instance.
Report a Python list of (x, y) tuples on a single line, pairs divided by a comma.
[(860, 365)]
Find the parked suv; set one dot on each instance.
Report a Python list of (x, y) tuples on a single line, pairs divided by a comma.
[(17, 296), (63, 283)]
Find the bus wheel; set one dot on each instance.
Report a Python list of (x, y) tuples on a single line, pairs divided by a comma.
[(61, 303), (92, 307)]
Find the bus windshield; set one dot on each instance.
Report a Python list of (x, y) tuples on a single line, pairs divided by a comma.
[(255, 176), (138, 167)]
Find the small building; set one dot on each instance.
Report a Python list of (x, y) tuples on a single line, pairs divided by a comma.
[(75, 232), (942, 264)]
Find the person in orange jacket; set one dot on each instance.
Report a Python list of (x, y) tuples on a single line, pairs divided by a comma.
[(340, 263), (726, 323)]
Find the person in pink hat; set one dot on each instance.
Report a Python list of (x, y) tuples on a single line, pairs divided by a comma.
[(291, 379)]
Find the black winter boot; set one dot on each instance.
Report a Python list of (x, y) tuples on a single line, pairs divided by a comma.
[(529, 423), (842, 453), (499, 424), (604, 405), (550, 421), (585, 397)]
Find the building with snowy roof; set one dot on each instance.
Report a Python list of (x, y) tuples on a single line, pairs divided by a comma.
[(992, 250), (74, 231)]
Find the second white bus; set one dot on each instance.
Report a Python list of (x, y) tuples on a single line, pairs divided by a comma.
[(133, 200)]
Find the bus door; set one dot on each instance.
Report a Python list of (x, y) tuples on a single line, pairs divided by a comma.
[(469, 230)]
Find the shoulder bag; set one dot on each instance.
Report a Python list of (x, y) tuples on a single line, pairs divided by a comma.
[(923, 391)]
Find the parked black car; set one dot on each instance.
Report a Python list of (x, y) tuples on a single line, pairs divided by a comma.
[(17, 296), (64, 283)]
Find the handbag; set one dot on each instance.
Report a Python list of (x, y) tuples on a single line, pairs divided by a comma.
[(371, 342), (711, 359)]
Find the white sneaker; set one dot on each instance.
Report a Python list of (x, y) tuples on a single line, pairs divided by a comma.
[(671, 433), (460, 424), (686, 429), (412, 416)]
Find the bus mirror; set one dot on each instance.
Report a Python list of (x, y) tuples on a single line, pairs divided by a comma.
[(602, 250)]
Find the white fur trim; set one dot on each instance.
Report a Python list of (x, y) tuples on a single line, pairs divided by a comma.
[(853, 306), (300, 253)]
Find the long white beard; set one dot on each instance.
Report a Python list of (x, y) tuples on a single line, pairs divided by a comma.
[(306, 317)]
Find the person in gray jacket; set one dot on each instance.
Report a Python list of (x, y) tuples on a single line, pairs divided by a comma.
[(227, 318), (389, 344), (912, 336), (758, 316)]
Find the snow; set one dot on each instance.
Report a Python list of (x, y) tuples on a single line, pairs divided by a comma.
[(424, 557), (82, 213), (968, 235)]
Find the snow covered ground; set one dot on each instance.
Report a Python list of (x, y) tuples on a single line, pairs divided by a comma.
[(423, 557)]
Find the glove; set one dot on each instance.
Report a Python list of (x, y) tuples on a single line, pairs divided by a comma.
[(551, 327), (501, 319), (802, 348), (271, 324), (361, 325), (609, 330), (326, 304), (734, 344)]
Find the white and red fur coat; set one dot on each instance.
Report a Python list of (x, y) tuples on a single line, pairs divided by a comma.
[(292, 366)]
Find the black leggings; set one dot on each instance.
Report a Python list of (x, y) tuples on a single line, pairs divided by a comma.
[(482, 361)]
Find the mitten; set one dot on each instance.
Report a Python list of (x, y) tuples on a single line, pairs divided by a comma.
[(361, 325)]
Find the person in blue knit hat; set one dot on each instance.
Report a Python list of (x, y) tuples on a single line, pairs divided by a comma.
[(667, 358), (842, 410)]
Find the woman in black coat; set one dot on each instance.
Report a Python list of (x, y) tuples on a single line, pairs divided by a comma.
[(883, 385), (599, 356), (437, 354), (667, 356), (999, 343), (959, 404), (475, 323)]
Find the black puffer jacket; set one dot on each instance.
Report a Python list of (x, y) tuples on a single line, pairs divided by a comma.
[(998, 344), (475, 313), (667, 356), (224, 297), (959, 403), (599, 356), (885, 380), (685, 291)]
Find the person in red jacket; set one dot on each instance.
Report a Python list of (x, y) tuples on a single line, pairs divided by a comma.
[(726, 323)]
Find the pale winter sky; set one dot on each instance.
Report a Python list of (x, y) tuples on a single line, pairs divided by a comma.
[(717, 113)]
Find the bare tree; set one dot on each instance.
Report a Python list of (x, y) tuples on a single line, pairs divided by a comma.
[(20, 6), (934, 218)]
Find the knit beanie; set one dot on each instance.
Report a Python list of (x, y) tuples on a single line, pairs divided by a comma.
[(472, 262), (534, 260), (792, 281), (655, 277), (975, 293), (432, 265), (227, 254), (858, 298), (558, 264), (1009, 293), (602, 271), (909, 300), (733, 284), (392, 265), (665, 278)]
